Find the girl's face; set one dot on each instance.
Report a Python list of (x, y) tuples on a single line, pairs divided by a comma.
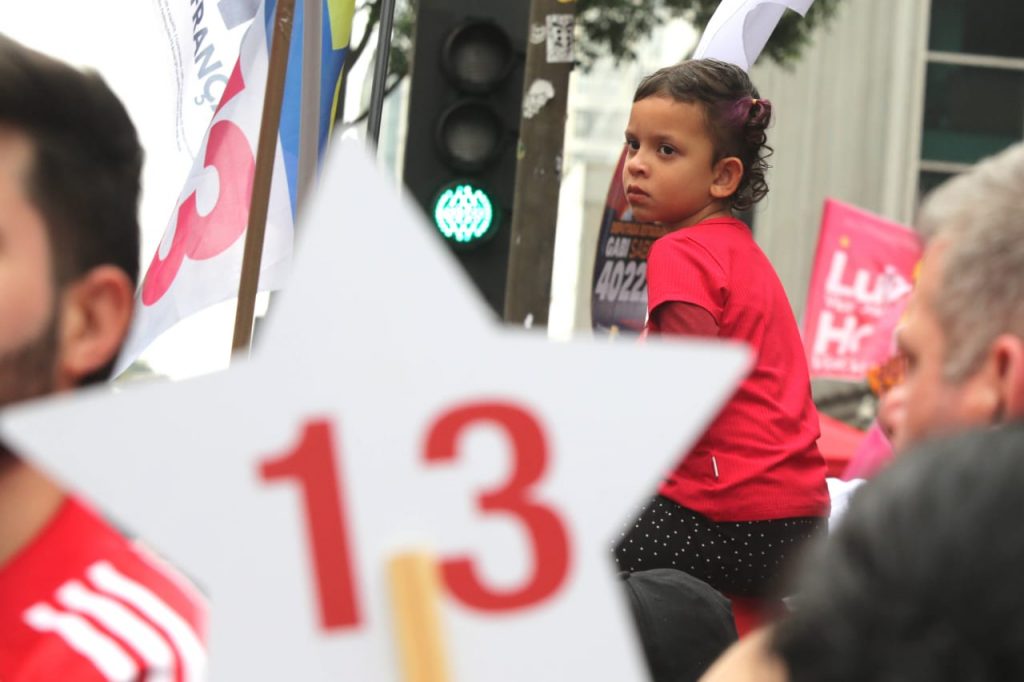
[(669, 175)]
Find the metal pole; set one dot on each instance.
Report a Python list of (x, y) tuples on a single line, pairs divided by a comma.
[(380, 70)]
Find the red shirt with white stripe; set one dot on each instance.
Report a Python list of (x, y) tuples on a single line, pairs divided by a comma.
[(759, 459), (83, 603)]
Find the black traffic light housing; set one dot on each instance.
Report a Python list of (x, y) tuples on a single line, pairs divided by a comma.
[(464, 109)]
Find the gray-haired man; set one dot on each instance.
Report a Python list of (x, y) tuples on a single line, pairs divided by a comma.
[(963, 333)]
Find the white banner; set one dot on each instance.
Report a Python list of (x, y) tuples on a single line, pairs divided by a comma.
[(739, 29), (199, 261)]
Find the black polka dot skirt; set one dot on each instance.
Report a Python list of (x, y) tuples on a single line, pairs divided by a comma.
[(743, 559)]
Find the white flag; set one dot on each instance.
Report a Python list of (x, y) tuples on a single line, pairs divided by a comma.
[(199, 260), (739, 29)]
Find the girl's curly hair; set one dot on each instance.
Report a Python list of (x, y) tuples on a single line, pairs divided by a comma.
[(736, 116)]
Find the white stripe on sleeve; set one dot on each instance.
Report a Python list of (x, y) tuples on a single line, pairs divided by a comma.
[(123, 623), (108, 579), (103, 652)]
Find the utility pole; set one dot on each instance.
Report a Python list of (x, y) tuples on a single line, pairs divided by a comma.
[(550, 56)]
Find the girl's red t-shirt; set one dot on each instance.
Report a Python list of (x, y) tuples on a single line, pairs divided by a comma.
[(759, 459)]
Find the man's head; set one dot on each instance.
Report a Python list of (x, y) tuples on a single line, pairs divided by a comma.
[(70, 165), (682, 622), (921, 581), (963, 333)]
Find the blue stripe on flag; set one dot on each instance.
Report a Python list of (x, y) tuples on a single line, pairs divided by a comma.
[(330, 72), (290, 105)]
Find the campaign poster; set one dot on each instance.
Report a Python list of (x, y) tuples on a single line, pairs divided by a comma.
[(619, 293), (863, 271)]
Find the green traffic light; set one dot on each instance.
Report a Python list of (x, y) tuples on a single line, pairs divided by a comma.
[(463, 213)]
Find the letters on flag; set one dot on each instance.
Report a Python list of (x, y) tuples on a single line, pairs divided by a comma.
[(204, 38), (199, 260), (863, 271)]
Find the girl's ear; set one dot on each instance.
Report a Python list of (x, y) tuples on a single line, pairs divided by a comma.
[(727, 175)]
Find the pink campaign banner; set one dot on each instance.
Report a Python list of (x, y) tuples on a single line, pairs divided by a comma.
[(863, 274)]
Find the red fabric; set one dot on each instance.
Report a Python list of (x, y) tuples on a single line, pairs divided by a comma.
[(838, 443), (750, 614), (871, 455), (684, 319), (759, 459), (79, 554)]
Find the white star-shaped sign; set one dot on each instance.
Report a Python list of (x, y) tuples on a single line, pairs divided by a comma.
[(386, 408)]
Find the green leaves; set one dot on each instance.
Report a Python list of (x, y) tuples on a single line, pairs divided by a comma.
[(615, 28)]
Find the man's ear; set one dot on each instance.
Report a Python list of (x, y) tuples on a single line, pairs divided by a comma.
[(1007, 352), (727, 175), (95, 312)]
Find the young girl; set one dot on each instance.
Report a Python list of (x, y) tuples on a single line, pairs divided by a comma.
[(753, 487)]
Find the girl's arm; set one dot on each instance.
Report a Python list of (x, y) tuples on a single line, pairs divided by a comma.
[(684, 319)]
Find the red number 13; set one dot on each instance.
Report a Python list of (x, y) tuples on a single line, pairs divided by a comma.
[(312, 464)]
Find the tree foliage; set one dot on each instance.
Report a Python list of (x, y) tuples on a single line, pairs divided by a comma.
[(614, 28)]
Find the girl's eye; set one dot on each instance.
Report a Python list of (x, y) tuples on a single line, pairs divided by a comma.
[(633, 144), (665, 149)]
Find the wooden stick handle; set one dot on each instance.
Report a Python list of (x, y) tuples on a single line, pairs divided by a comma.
[(266, 150), (416, 603)]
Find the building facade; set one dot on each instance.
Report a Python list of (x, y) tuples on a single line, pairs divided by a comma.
[(889, 99)]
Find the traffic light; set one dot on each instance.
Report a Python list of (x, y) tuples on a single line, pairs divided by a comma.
[(464, 109)]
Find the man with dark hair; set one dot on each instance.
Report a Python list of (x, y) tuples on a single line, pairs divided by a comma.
[(84, 178), (920, 582), (77, 600)]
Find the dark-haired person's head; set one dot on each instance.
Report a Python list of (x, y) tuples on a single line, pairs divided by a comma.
[(735, 116), (921, 581), (683, 623), (70, 164)]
